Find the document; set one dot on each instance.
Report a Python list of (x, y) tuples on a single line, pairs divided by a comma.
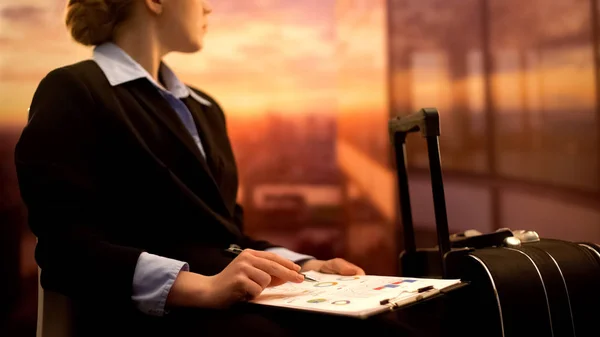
[(359, 296)]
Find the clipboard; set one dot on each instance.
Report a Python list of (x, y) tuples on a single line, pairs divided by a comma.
[(354, 296)]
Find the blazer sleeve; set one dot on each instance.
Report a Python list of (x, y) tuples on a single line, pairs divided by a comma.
[(56, 159)]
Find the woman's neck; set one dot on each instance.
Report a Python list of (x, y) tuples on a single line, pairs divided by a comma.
[(141, 44)]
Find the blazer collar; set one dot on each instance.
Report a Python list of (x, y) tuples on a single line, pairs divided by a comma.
[(119, 68)]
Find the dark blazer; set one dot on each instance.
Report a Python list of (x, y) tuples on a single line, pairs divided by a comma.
[(109, 172)]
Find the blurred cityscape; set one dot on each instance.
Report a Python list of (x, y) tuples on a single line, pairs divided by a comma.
[(293, 190), (289, 174)]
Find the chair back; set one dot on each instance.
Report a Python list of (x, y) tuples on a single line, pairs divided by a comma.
[(55, 315)]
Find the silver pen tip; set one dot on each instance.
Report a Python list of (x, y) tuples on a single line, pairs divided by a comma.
[(308, 278)]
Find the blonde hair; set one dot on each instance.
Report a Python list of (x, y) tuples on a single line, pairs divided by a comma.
[(93, 22)]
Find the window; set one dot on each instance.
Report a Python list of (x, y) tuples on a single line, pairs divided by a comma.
[(436, 61), (544, 92), (540, 94)]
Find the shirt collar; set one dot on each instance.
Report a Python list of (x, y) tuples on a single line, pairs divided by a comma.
[(119, 68)]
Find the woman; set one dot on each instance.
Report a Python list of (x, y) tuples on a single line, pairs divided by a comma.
[(130, 183)]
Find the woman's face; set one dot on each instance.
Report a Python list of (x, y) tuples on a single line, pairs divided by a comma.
[(183, 24)]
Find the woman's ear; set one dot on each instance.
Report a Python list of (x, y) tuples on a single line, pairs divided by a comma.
[(155, 6)]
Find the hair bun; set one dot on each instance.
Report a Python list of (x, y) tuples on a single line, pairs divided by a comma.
[(90, 22)]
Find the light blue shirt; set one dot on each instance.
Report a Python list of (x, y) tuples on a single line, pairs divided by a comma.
[(154, 275)]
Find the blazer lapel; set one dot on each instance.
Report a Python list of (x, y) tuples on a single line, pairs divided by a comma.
[(206, 136), (160, 108)]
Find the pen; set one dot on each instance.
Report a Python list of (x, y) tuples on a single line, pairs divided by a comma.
[(238, 251)]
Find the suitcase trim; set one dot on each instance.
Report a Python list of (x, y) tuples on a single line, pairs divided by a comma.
[(590, 248), (543, 286), (562, 276), (495, 290)]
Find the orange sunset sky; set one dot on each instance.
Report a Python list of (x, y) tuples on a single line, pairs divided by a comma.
[(309, 56), (260, 55)]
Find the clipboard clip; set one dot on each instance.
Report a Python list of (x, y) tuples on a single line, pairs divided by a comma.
[(422, 294)]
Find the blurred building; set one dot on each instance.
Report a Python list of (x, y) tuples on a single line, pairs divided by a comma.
[(292, 187)]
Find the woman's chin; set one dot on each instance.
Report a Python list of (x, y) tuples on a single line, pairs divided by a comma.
[(191, 47)]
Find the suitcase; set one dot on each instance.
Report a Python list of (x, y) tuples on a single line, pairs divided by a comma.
[(519, 284)]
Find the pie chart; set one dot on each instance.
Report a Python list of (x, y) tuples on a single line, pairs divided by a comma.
[(340, 302), (317, 300), (325, 284)]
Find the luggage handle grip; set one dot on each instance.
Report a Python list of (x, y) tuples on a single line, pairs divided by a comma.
[(427, 122)]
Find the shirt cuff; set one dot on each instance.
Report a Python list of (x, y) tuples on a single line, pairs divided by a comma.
[(152, 280), (290, 255)]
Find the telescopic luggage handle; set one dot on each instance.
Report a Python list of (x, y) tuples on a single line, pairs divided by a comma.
[(427, 121)]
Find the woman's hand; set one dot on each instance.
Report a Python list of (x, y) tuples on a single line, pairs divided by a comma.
[(333, 266), (248, 275), (243, 279)]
